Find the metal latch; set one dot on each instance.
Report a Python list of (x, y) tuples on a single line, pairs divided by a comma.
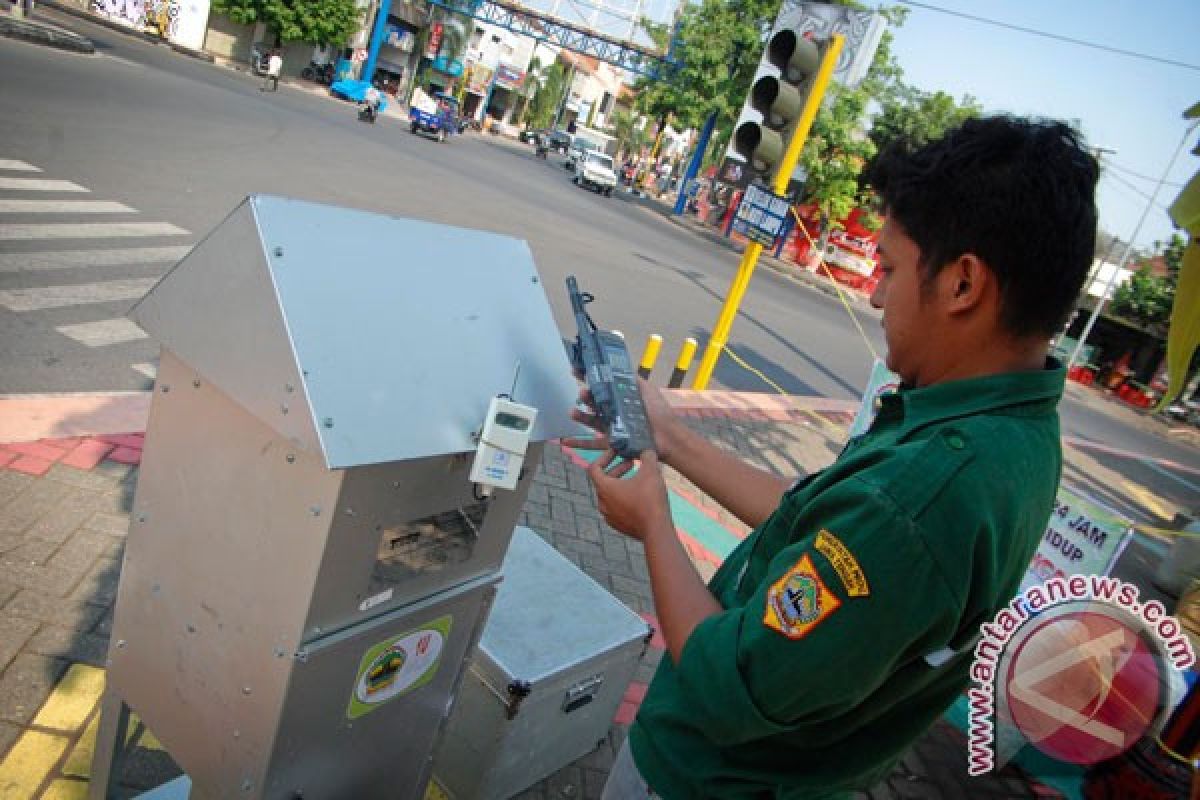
[(582, 693), (517, 691)]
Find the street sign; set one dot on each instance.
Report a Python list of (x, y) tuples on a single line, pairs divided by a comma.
[(761, 215)]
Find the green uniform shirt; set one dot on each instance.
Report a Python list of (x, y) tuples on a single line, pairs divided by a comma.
[(814, 678)]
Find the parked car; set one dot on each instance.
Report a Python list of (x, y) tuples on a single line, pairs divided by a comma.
[(437, 115), (575, 153), (558, 140), (595, 171)]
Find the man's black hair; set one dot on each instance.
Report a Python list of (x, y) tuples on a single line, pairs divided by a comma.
[(1019, 194)]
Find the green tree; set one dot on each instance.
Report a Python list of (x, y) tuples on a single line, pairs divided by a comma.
[(909, 114), (630, 137), (323, 22), (543, 104), (1147, 298), (833, 158)]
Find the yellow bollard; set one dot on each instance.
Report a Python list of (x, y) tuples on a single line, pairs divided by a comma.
[(683, 363), (649, 355)]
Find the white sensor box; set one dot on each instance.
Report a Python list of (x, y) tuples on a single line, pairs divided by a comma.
[(502, 443)]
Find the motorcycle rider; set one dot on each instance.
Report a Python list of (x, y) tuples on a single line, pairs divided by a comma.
[(371, 103)]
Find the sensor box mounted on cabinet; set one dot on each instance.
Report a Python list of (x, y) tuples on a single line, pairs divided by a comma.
[(502, 443)]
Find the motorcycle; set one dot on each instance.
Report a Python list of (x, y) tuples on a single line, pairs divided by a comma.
[(540, 148), (318, 73), (368, 113)]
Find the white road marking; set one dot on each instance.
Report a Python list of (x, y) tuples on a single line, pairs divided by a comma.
[(63, 207), (72, 259), (88, 230), (61, 296), (40, 185), (149, 370), (20, 166), (104, 332)]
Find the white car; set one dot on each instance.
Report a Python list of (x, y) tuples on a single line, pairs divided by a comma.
[(595, 171)]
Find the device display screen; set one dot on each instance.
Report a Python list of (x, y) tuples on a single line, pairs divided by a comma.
[(512, 421), (617, 357)]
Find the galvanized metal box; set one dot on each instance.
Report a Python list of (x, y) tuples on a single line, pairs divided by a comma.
[(542, 687)]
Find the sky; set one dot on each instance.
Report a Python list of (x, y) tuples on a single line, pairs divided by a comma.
[(1132, 106), (1124, 104)]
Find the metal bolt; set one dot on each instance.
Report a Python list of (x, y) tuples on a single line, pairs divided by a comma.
[(166, 388), (278, 252), (287, 387), (120, 643), (245, 690), (191, 628), (196, 383), (314, 510), (247, 785), (329, 422), (283, 409), (291, 459), (395, 484), (141, 517), (534, 279)]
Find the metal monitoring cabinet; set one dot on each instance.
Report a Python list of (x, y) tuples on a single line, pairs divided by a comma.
[(308, 564)]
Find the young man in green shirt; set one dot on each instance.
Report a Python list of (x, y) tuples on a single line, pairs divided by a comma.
[(840, 629)]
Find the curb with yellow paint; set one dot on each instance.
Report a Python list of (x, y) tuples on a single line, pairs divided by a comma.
[(52, 758)]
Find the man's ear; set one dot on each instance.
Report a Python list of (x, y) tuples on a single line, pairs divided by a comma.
[(965, 283)]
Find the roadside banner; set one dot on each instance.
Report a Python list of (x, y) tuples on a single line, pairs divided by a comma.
[(1081, 538)]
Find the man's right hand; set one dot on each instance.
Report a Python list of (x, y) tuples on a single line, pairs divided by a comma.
[(666, 426)]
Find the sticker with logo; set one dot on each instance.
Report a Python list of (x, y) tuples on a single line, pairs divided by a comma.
[(798, 601), (844, 564), (397, 666)]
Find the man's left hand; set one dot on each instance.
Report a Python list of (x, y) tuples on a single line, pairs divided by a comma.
[(634, 504)]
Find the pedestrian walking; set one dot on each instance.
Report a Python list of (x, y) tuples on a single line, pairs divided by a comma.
[(274, 67), (842, 627)]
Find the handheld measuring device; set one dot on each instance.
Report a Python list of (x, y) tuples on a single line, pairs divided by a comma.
[(603, 360)]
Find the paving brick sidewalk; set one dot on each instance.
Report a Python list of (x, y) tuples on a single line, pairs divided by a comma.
[(64, 505)]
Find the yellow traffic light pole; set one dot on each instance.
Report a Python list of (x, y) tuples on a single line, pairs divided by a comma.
[(787, 166)]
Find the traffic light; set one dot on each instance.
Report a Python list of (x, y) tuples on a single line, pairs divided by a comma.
[(776, 102)]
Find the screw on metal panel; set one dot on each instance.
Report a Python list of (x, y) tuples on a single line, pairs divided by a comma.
[(141, 517), (287, 387), (245, 690), (283, 409), (278, 252), (329, 422), (237, 734), (191, 628), (395, 484), (350, 512), (279, 652), (247, 785), (196, 383), (314, 510), (166, 388), (291, 459), (120, 643), (534, 279)]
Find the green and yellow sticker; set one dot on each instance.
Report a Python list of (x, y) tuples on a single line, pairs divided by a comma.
[(397, 666)]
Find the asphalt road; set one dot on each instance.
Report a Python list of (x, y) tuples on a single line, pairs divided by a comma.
[(179, 143)]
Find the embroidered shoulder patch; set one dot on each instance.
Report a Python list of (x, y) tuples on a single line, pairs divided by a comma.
[(845, 564), (798, 601)]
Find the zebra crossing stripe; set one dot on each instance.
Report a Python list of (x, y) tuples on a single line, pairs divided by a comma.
[(149, 370), (104, 332), (44, 297), (88, 230), (18, 166), (62, 207), (74, 259), (40, 185)]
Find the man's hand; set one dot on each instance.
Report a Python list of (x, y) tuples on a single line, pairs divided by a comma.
[(635, 505), (666, 427)]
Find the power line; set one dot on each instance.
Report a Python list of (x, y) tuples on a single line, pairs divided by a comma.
[(1057, 37), (1140, 176), (1134, 189)]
